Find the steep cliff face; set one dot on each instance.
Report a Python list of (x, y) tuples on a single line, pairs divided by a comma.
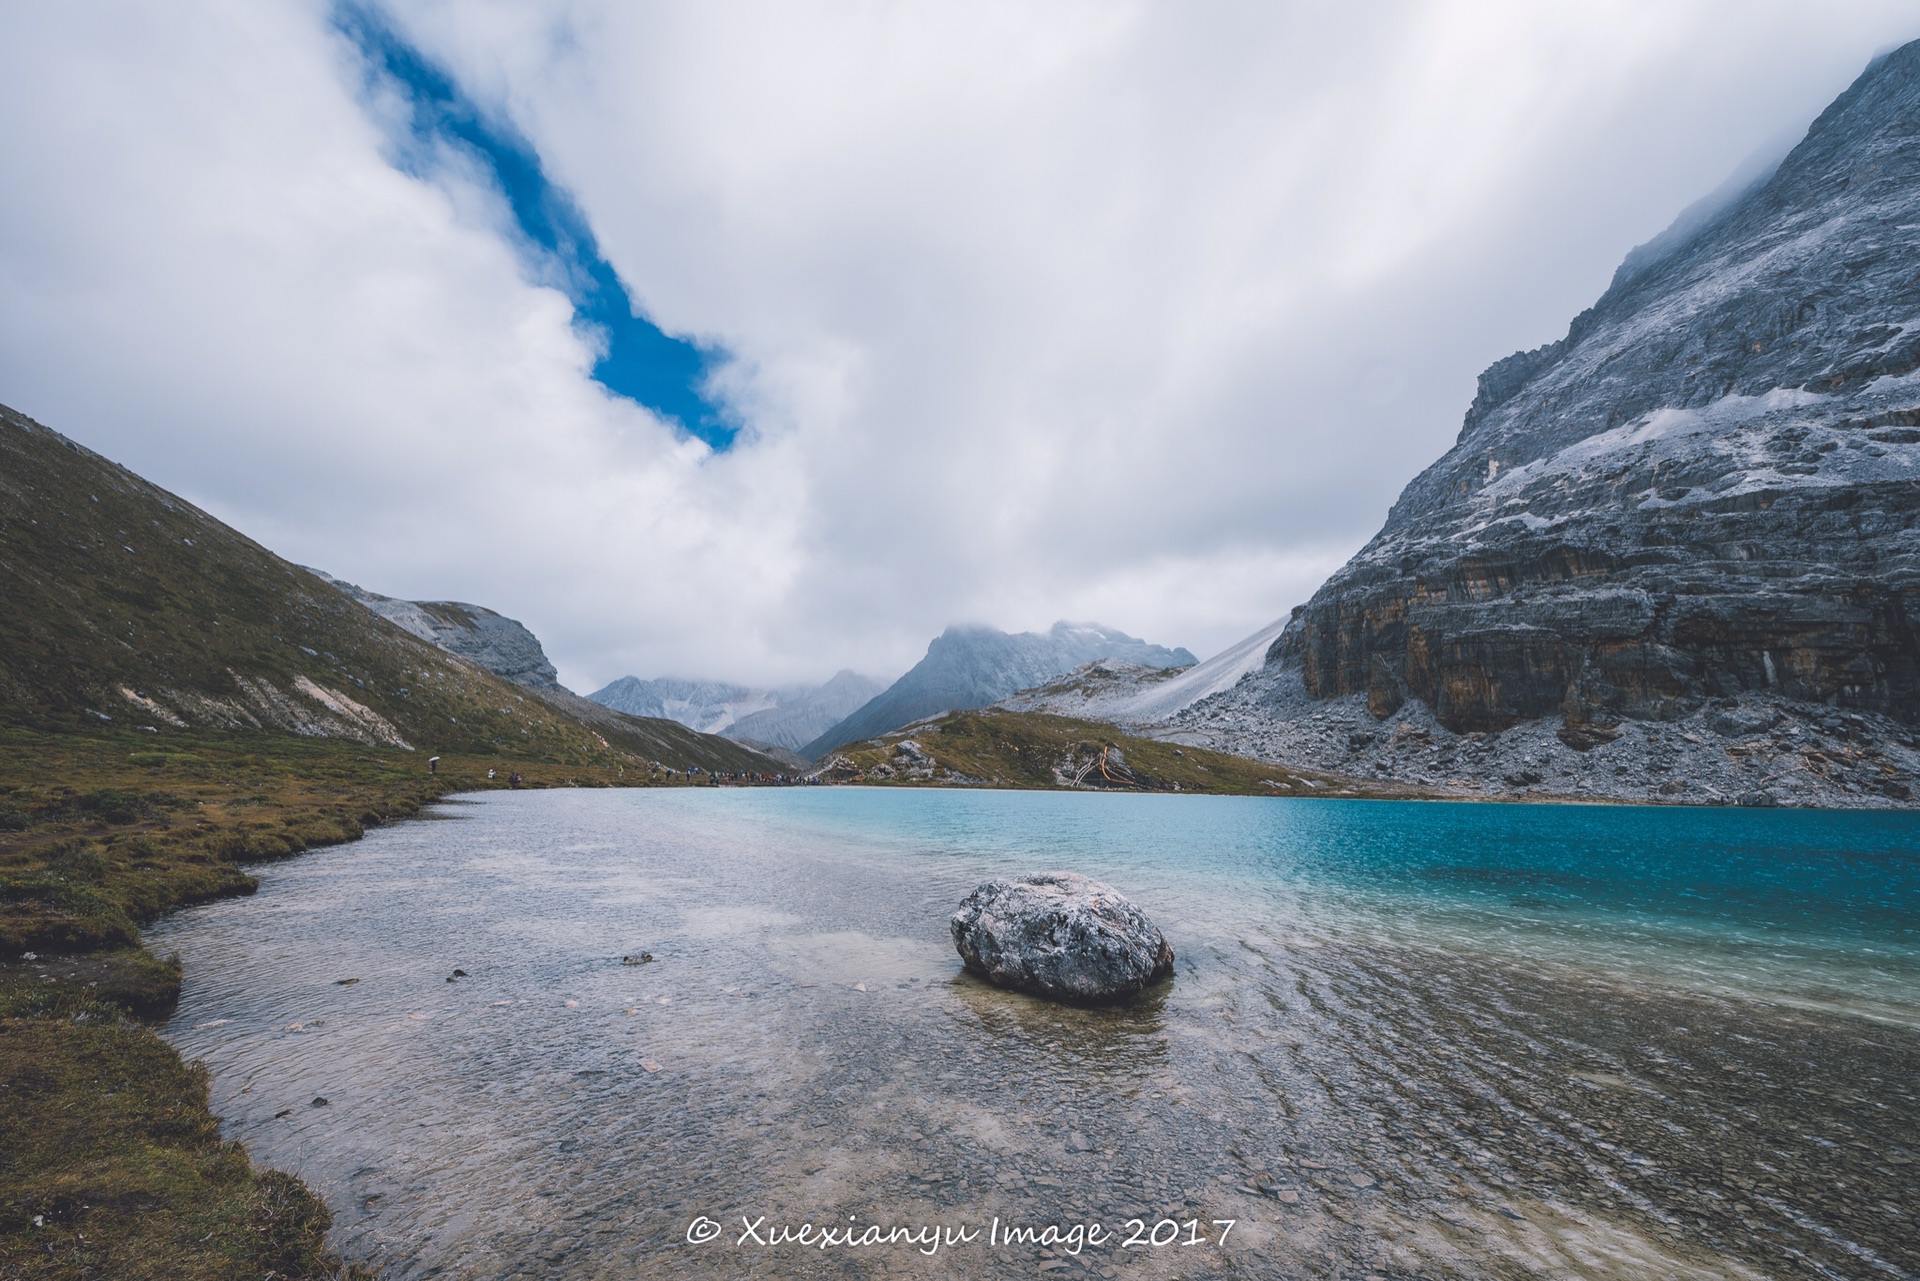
[(1707, 489)]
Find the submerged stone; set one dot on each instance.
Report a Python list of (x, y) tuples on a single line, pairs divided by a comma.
[(1060, 935)]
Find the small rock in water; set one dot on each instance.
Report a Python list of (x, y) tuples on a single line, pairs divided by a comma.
[(282, 1112), (319, 1101), (1060, 935), (345, 982), (644, 958), (457, 974)]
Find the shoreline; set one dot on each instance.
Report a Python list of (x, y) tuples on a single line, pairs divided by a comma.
[(167, 826), (944, 1077), (111, 1159)]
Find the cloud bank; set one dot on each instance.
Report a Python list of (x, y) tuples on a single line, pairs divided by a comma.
[(1125, 312)]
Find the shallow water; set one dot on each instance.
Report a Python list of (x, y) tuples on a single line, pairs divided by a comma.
[(1402, 1039)]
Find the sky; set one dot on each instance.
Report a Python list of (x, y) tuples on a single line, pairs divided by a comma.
[(755, 341)]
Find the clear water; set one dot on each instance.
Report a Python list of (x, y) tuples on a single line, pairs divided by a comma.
[(1402, 1039)]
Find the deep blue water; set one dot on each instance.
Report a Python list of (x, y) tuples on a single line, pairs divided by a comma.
[(1780, 902)]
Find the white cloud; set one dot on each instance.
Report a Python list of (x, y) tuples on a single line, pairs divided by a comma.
[(1139, 313)]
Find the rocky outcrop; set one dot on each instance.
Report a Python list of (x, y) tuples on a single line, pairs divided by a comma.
[(1708, 490), (1060, 935), (487, 639), (969, 667)]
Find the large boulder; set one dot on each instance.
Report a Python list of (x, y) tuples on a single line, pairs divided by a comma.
[(1060, 935)]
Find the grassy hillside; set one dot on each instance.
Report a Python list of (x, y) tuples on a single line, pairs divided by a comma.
[(127, 606), (105, 1136), (177, 702), (997, 748)]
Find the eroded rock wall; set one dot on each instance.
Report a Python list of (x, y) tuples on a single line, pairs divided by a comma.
[(1708, 489)]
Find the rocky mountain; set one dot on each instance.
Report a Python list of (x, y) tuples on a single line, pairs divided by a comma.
[(500, 644), (969, 667), (800, 714), (788, 717), (708, 706), (127, 605), (1124, 693), (1697, 509)]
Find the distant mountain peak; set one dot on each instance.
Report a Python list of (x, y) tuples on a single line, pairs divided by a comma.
[(972, 665), (786, 716)]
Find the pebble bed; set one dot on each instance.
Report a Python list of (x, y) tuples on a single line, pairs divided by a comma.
[(1753, 750)]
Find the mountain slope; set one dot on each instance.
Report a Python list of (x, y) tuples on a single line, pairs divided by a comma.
[(708, 706), (1707, 487), (125, 604), (1126, 693), (500, 644), (1001, 748), (788, 716), (1700, 505), (968, 667), (802, 714)]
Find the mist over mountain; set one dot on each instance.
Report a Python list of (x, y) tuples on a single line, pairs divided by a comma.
[(789, 716), (1135, 694), (968, 667)]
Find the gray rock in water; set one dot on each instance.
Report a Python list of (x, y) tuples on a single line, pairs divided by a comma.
[(1060, 935)]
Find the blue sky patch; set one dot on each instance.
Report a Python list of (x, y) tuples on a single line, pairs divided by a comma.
[(639, 360)]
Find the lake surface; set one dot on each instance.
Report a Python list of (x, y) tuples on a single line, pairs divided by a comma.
[(1402, 1040)]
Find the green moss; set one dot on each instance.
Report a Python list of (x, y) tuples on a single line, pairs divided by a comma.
[(111, 1165), (1028, 750), (47, 910)]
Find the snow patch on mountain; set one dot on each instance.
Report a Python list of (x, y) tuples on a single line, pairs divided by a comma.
[(1139, 696), (788, 716), (969, 667)]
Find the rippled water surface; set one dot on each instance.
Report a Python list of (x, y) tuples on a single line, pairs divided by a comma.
[(1402, 1039)]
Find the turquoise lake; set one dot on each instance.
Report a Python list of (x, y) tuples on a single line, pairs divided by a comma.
[(1402, 1039)]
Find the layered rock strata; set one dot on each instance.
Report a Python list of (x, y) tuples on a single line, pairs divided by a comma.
[(1708, 490)]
